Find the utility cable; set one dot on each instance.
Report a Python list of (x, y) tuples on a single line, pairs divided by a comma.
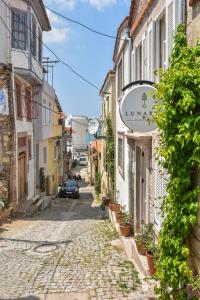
[(83, 25), (56, 56)]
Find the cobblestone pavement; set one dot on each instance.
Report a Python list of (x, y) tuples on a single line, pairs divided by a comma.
[(65, 252)]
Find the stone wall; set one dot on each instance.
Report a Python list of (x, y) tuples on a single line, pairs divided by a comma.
[(193, 33), (193, 21), (7, 142)]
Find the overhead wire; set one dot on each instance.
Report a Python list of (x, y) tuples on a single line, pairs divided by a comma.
[(56, 56), (83, 25)]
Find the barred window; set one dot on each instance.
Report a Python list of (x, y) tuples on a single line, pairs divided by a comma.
[(33, 39), (19, 30)]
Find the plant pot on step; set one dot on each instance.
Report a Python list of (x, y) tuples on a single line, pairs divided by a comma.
[(140, 247), (151, 264), (116, 207), (106, 200), (125, 230)]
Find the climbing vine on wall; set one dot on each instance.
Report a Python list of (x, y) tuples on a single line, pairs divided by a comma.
[(177, 113), (110, 150)]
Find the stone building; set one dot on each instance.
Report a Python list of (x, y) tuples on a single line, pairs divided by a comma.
[(7, 140), (193, 34), (21, 27), (107, 94)]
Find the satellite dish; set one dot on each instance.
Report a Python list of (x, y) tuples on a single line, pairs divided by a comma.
[(93, 126)]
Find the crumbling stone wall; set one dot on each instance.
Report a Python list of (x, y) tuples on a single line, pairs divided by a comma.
[(7, 142)]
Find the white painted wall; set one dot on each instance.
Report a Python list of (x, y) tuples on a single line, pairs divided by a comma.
[(80, 136)]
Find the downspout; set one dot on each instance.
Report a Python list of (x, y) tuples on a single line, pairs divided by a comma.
[(128, 38), (29, 35)]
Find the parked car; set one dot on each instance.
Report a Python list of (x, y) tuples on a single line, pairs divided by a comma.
[(83, 161), (69, 188)]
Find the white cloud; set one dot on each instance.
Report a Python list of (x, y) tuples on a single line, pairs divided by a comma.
[(69, 4), (57, 35), (59, 30), (100, 4)]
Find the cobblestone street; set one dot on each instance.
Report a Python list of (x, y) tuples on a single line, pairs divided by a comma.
[(65, 252)]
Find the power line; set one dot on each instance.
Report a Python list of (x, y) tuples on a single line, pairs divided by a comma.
[(83, 25), (60, 60)]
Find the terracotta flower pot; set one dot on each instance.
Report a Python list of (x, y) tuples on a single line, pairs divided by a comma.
[(116, 207), (125, 230), (140, 248), (151, 264)]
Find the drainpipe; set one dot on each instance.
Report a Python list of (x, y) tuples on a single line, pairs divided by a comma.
[(128, 38), (181, 9)]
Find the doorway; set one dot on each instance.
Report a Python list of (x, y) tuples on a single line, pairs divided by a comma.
[(22, 176), (140, 214)]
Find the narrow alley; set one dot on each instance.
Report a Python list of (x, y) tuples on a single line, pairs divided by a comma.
[(65, 252)]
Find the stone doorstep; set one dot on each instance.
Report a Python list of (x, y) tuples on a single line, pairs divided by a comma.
[(130, 248)]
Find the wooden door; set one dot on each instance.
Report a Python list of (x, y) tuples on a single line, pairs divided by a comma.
[(22, 176)]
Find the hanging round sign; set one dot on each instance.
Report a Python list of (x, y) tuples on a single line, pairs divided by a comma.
[(93, 126), (136, 108)]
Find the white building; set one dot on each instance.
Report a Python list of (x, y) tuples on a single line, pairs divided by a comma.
[(79, 133), (145, 43), (21, 27)]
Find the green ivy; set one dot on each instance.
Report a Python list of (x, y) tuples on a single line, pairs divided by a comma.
[(97, 184), (110, 150), (177, 113)]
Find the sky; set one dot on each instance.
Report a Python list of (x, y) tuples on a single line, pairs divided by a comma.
[(88, 53)]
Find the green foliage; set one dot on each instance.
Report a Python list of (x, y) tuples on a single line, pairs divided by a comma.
[(97, 184), (42, 180), (147, 234), (177, 113), (125, 219), (110, 150)]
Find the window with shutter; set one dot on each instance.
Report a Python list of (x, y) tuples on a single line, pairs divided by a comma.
[(144, 57), (139, 62), (28, 105), (120, 78), (133, 65), (19, 101), (161, 179), (170, 29)]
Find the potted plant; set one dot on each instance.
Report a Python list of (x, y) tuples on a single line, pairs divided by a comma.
[(106, 200), (116, 207), (125, 226), (141, 239), (152, 256)]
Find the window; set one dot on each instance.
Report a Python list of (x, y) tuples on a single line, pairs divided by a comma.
[(19, 101), (19, 30), (33, 38), (120, 79), (40, 46), (28, 105), (121, 154), (161, 180), (45, 155), (29, 148), (162, 45)]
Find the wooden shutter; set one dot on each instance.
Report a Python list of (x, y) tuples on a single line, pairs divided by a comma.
[(133, 65), (150, 53), (161, 179), (144, 57), (170, 29)]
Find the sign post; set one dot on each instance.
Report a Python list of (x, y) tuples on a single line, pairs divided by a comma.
[(136, 108)]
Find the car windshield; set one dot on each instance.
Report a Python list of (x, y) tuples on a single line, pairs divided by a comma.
[(82, 159), (70, 183)]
